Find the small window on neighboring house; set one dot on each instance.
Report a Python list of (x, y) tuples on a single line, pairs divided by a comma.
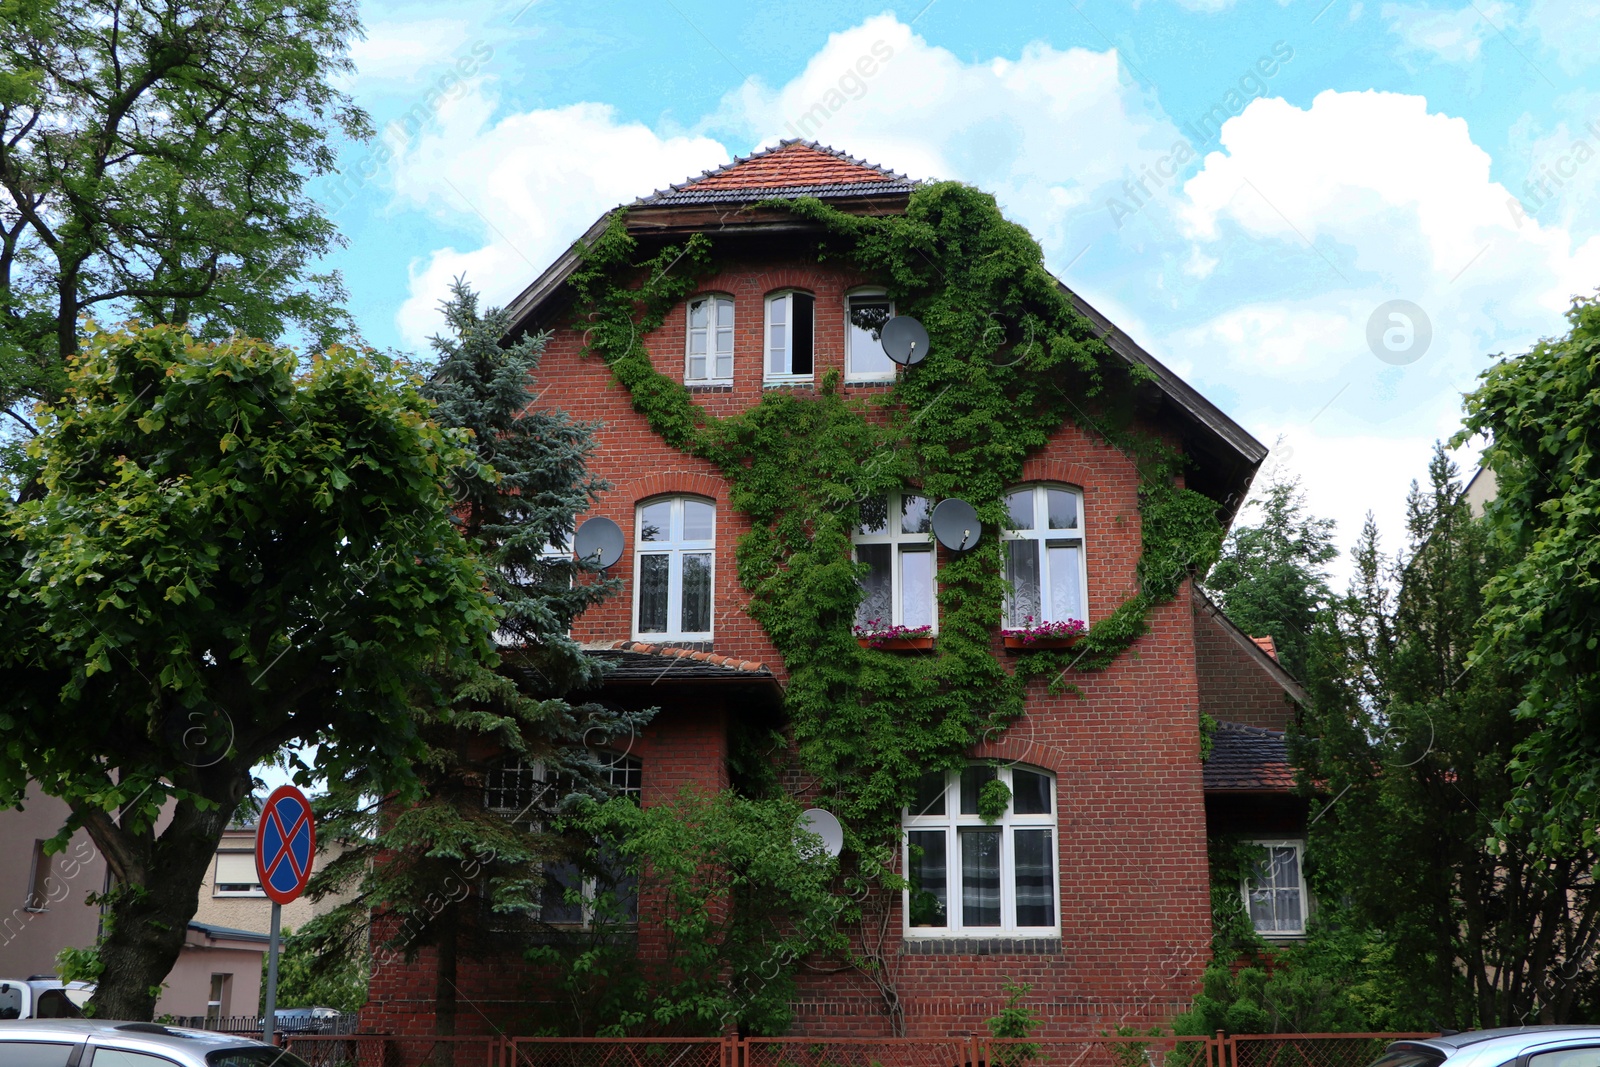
[(38, 898), (790, 329), (236, 876), (1275, 893), (865, 360), (674, 541), (895, 541), (710, 342), (1044, 561), (976, 875), (217, 1004)]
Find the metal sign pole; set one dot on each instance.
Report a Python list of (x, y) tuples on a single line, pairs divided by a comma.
[(269, 1014)]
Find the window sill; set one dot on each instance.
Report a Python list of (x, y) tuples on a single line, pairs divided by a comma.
[(870, 381), (789, 383), (897, 644), (1048, 945), (702, 643), (36, 911), (709, 387)]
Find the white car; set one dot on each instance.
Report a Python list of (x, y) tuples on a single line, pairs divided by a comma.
[(43, 996), (93, 1043)]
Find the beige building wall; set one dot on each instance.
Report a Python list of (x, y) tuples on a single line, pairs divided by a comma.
[(43, 899), (214, 960), (251, 910)]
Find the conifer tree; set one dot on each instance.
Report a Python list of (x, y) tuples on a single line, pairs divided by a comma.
[(452, 868)]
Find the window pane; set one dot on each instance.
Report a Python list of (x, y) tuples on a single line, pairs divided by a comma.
[(1036, 889), (560, 899), (876, 611), (1063, 509), (972, 780), (116, 1057), (697, 342), (697, 313), (725, 348), (616, 889), (867, 316), (1030, 793), (653, 594), (1066, 595), (655, 521), (697, 367), (928, 871), (980, 877), (1020, 507), (724, 312), (36, 1054), (874, 515), (916, 516), (696, 592), (699, 520), (930, 795), (1285, 868), (800, 358), (1261, 916), (1022, 573), (916, 587), (1289, 909)]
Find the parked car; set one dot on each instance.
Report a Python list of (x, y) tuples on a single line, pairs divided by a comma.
[(310, 1020), (1512, 1046), (93, 1043), (43, 996)]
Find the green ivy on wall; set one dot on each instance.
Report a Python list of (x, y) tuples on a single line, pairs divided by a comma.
[(1010, 360)]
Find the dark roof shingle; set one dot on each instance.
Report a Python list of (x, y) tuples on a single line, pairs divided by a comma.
[(1248, 759)]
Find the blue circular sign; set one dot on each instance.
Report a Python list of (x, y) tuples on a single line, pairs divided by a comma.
[(286, 841)]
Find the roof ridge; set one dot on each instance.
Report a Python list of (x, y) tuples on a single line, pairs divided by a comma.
[(880, 174)]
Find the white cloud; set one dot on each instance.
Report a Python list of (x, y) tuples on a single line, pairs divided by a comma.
[(1454, 36), (529, 184), (406, 50)]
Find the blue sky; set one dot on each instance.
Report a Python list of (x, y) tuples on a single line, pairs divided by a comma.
[(1372, 152)]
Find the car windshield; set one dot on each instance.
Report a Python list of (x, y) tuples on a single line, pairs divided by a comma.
[(1410, 1057), (254, 1056)]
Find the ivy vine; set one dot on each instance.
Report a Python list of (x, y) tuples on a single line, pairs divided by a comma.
[(1010, 360)]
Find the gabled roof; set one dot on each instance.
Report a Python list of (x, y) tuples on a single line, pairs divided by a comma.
[(1226, 455), (790, 169), (1267, 645), (1248, 759)]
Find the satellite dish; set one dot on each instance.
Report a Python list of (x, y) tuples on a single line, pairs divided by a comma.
[(598, 540), (904, 340), (956, 525), (824, 825)]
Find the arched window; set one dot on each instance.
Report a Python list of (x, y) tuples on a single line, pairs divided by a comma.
[(790, 329), (866, 310), (514, 788), (674, 542), (1044, 560), (895, 541), (975, 865), (710, 340)]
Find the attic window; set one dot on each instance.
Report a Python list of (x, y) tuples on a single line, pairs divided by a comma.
[(790, 333)]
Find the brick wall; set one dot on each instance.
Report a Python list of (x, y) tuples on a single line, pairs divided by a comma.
[(1234, 686), (1135, 905)]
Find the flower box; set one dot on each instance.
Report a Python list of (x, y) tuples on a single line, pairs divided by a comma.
[(1024, 644), (1046, 635), (896, 644)]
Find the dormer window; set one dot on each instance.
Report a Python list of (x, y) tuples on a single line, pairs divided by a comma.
[(710, 341), (790, 333), (865, 313)]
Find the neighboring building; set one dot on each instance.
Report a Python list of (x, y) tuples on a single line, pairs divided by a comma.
[(1101, 898), (44, 909)]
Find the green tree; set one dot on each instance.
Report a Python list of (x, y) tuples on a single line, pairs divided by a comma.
[(1542, 619), (1415, 766), (226, 555), (441, 869), (153, 157), (303, 983), (1272, 577)]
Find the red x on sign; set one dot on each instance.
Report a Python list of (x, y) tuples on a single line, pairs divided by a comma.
[(286, 841)]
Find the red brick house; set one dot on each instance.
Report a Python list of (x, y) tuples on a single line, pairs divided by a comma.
[(1094, 886)]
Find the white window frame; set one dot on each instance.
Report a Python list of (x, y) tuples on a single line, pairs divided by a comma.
[(952, 821), (850, 374), (675, 548), (711, 331), (1045, 537), (769, 376), (1299, 847), (900, 543)]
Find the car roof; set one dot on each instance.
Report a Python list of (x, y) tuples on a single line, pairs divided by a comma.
[(149, 1037), (1497, 1046)]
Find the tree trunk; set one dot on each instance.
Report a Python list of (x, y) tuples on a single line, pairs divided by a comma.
[(444, 988), (150, 913)]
